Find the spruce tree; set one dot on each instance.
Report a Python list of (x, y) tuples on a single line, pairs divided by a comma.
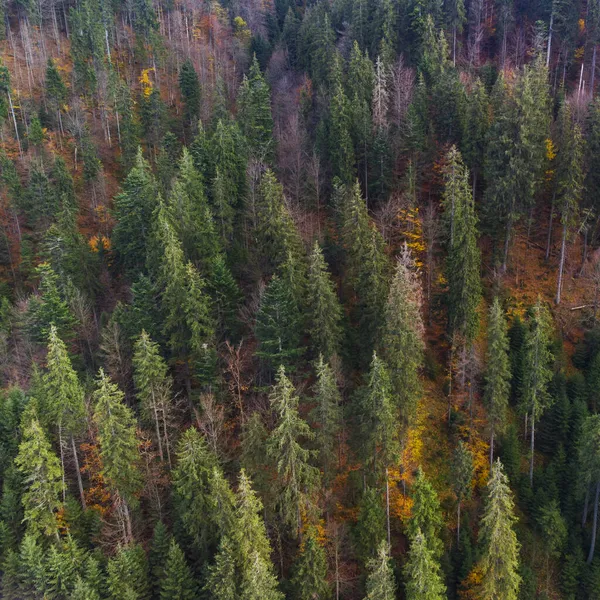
[(309, 579), (341, 151), (178, 582), (127, 574), (537, 369), (64, 399), (402, 339), (381, 584), (221, 582), (226, 298), (297, 479), (462, 476), (370, 525), (154, 391), (189, 86), (43, 479), (257, 579), (133, 209), (118, 445), (327, 416), (426, 515), (498, 541), (422, 572), (157, 557), (256, 121), (589, 463), (324, 310), (497, 373)]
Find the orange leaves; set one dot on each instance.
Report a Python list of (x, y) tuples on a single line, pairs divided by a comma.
[(146, 82), (469, 588), (97, 496)]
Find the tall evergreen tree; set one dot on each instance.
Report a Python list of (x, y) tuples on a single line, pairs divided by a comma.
[(537, 369), (256, 121), (462, 476), (341, 151), (402, 340), (178, 582), (327, 415), (118, 446), (422, 572), (154, 391), (324, 310), (64, 399), (221, 582), (589, 461), (309, 579), (497, 374), (499, 545), (297, 479), (127, 574), (189, 86), (42, 477), (381, 584)]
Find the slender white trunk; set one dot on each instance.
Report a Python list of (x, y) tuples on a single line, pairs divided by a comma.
[(561, 266)]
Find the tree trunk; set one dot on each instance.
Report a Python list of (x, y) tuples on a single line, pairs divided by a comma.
[(458, 527), (561, 266), (593, 75), (550, 29), (492, 449), (62, 462), (585, 506), (78, 471), (594, 525), (549, 239), (506, 244)]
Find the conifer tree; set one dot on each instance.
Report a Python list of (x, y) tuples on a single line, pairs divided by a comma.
[(589, 462), (569, 182), (279, 325), (380, 580), (157, 557), (226, 298), (221, 583), (56, 90), (257, 579), (154, 385), (324, 310), (422, 572), (499, 545), (127, 574), (379, 419), (497, 374), (402, 342), (64, 399), (256, 121), (537, 369), (178, 582), (42, 477), (464, 258), (133, 209), (367, 266), (341, 149), (426, 515), (189, 86), (370, 525), (462, 475), (118, 446), (309, 579), (327, 415), (297, 479)]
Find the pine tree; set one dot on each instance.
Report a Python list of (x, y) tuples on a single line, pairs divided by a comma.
[(464, 257), (498, 373), (422, 572), (462, 476), (500, 549), (127, 574), (133, 209), (402, 339), (177, 583), (297, 479), (426, 515), (154, 385), (118, 445), (309, 579), (341, 151), (64, 399), (43, 479), (324, 310), (221, 583), (189, 86), (257, 580), (327, 415), (537, 370), (256, 121), (380, 580)]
